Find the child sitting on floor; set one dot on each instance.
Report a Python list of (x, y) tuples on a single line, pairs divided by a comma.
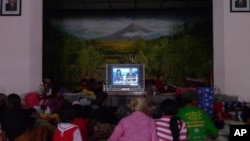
[(67, 131)]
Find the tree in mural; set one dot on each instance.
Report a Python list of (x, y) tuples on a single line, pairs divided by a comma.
[(186, 53), (90, 60)]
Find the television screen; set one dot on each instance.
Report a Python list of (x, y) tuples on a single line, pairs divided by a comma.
[(125, 77)]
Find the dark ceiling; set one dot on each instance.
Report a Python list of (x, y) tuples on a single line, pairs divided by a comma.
[(72, 5)]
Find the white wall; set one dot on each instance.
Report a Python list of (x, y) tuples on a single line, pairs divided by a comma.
[(21, 49), (231, 50)]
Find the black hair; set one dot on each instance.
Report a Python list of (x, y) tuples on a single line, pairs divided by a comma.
[(156, 113), (30, 111), (82, 111), (84, 80), (185, 101), (98, 87), (67, 114), (13, 100), (189, 96), (101, 97), (169, 107), (245, 113), (3, 99), (55, 89), (159, 75), (86, 111), (118, 70), (78, 110), (219, 124)]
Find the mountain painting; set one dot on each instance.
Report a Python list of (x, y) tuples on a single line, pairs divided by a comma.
[(178, 45)]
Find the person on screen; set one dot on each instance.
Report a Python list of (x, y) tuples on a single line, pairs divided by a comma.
[(131, 76), (240, 3), (11, 5), (118, 76)]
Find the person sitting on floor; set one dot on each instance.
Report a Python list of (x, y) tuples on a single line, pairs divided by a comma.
[(102, 117), (66, 131), (55, 101), (199, 123), (3, 102), (14, 119), (160, 84), (81, 121), (138, 126), (169, 127)]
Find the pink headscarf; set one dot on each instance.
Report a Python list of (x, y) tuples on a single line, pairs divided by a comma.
[(32, 99)]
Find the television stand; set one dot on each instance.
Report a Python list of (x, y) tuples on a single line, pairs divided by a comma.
[(126, 93), (121, 98)]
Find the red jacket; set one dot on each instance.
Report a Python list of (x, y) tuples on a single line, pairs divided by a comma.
[(82, 124), (160, 86), (65, 133)]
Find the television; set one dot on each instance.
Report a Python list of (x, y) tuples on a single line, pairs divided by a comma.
[(125, 77)]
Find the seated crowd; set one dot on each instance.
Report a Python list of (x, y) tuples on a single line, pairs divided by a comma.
[(54, 118), (158, 86)]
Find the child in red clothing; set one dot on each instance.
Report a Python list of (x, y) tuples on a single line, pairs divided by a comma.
[(66, 131), (160, 84), (81, 121)]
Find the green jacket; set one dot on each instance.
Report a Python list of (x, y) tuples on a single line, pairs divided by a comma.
[(199, 123)]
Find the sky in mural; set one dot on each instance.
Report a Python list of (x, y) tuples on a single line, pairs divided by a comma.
[(98, 27)]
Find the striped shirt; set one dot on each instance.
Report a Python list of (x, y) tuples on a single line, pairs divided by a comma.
[(164, 132)]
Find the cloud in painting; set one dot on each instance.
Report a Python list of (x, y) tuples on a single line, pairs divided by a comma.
[(94, 28)]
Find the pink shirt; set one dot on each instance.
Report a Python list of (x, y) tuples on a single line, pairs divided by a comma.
[(135, 127)]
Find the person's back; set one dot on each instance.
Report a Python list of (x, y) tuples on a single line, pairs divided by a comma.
[(66, 131), (102, 117), (136, 127), (199, 123), (55, 101), (80, 121), (14, 119), (82, 124), (168, 127), (100, 111), (3, 102)]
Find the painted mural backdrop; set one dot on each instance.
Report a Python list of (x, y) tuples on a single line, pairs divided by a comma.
[(177, 44)]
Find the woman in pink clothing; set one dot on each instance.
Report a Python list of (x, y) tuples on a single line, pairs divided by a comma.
[(138, 126)]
